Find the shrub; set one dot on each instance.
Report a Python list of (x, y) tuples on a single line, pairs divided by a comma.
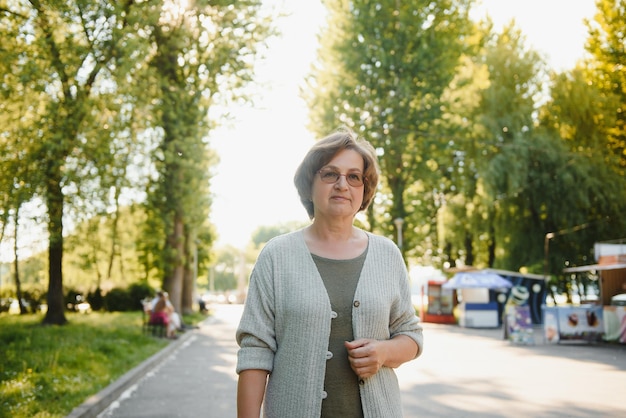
[(139, 291), (5, 304), (35, 297), (118, 300), (95, 299), (127, 299)]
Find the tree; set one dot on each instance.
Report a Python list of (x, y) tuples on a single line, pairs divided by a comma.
[(605, 70), (89, 263), (265, 233), (18, 170), (60, 54), (227, 261), (586, 110), (499, 155), (588, 194), (84, 81), (193, 66), (383, 69)]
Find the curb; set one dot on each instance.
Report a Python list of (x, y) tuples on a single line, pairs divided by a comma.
[(97, 403)]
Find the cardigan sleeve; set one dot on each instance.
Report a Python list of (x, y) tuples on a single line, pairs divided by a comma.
[(403, 319), (255, 334)]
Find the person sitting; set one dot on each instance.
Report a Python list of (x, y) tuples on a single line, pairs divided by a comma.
[(161, 314), (174, 316)]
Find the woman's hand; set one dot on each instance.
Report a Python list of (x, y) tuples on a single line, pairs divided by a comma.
[(367, 355)]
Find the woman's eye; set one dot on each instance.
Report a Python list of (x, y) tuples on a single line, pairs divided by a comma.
[(355, 177)]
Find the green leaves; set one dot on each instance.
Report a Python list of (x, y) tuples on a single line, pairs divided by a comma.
[(477, 155), (90, 89), (384, 67)]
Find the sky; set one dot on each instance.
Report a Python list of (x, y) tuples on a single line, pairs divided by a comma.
[(261, 148)]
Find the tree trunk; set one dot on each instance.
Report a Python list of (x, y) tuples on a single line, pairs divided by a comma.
[(188, 291), (114, 236), (448, 252), (469, 250), (173, 282), (55, 314), (18, 287), (491, 248)]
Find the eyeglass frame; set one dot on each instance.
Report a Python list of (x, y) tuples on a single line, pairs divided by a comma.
[(339, 174)]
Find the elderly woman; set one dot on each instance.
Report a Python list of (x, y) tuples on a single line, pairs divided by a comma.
[(328, 314)]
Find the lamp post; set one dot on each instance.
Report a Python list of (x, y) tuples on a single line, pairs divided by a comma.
[(399, 222), (546, 249), (546, 244)]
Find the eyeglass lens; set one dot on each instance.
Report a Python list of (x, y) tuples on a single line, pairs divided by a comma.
[(330, 176)]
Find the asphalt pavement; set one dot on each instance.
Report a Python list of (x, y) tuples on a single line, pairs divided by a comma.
[(463, 372)]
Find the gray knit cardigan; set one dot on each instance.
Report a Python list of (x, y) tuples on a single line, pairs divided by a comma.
[(286, 322)]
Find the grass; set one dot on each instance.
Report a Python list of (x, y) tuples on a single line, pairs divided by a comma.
[(47, 371)]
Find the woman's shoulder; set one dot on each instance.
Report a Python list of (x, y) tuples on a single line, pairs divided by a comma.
[(286, 241), (383, 248), (286, 238), (379, 240)]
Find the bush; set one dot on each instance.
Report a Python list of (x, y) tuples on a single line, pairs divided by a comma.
[(138, 292), (35, 297), (95, 299), (118, 300), (5, 304), (129, 299)]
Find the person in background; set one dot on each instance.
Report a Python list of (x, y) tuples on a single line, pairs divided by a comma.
[(328, 314), (162, 313), (174, 316)]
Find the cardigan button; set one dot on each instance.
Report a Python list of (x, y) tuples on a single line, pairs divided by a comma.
[(324, 394), (329, 355), (356, 303), (361, 382), (333, 314)]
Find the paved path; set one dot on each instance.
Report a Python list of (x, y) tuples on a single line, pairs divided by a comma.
[(462, 373), (197, 379)]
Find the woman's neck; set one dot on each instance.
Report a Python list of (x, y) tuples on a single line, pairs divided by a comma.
[(335, 242)]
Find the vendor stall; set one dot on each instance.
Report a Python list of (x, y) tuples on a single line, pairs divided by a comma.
[(573, 323), (474, 288), (441, 303), (478, 315), (610, 272)]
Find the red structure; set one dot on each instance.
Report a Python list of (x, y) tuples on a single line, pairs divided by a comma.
[(441, 303)]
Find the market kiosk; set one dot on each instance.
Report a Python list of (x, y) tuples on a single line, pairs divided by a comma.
[(476, 291), (611, 275), (573, 323), (477, 310), (441, 303)]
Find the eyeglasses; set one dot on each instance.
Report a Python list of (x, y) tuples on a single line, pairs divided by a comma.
[(331, 176)]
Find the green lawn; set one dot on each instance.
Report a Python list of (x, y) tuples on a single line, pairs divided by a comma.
[(47, 371)]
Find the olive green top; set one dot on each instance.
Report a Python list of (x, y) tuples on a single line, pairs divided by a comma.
[(340, 383)]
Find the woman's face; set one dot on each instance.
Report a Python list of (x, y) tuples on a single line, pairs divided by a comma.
[(339, 199)]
